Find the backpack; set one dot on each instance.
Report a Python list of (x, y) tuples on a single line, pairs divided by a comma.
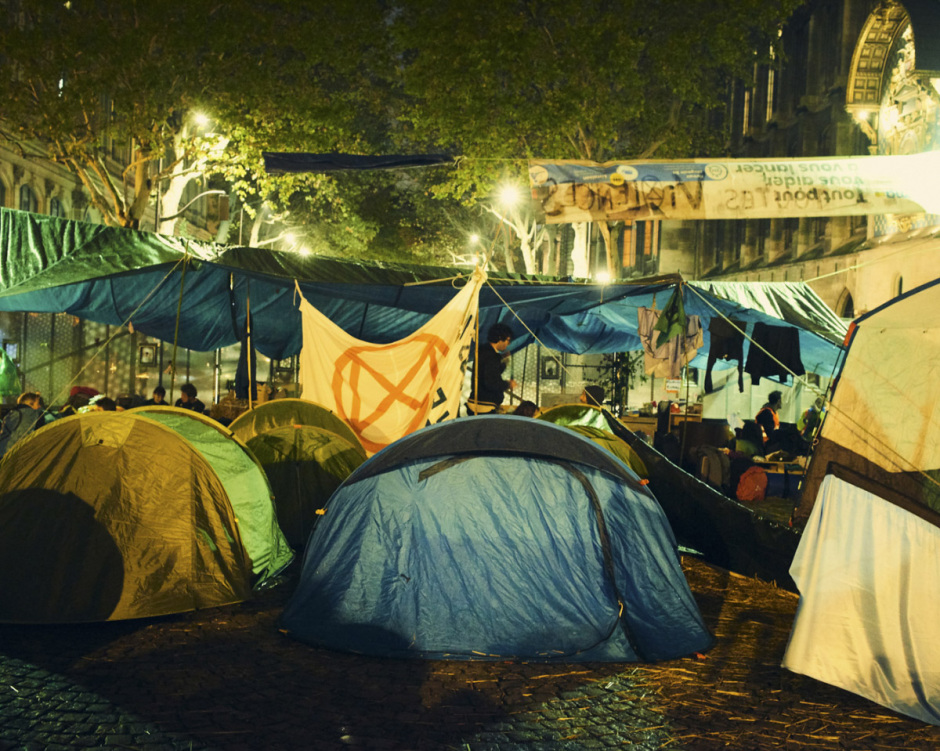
[(753, 485), (19, 421)]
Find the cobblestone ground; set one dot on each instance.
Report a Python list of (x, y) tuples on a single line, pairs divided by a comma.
[(227, 679)]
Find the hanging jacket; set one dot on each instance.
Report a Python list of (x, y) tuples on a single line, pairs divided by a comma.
[(19, 421), (783, 342)]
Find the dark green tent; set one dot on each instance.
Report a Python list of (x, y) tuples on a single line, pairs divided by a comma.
[(306, 451), (110, 515), (590, 422)]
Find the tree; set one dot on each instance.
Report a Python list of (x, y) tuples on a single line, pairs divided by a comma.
[(596, 80), (81, 77)]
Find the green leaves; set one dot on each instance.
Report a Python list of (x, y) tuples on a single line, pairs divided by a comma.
[(493, 84)]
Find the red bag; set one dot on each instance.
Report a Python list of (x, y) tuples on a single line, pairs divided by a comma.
[(753, 485)]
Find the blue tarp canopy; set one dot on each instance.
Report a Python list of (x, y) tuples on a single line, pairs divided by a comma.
[(115, 276)]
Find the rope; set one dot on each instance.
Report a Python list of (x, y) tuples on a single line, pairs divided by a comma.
[(881, 448), (534, 335), (248, 353), (743, 333)]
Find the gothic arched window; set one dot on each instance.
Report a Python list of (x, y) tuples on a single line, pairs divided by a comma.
[(28, 201)]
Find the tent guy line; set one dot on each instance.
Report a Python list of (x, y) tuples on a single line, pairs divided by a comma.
[(107, 342), (802, 379)]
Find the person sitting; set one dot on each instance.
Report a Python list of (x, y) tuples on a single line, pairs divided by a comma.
[(158, 399), (103, 404), (768, 419), (593, 396), (79, 396), (188, 399), (527, 409), (25, 417)]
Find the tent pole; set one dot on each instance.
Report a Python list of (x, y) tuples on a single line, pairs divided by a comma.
[(248, 342), (176, 332), (685, 414)]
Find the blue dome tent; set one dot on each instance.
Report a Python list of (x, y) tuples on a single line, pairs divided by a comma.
[(495, 537)]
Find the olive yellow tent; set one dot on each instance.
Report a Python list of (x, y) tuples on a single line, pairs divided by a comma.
[(110, 516), (306, 452)]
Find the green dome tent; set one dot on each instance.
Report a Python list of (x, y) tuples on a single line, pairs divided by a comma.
[(576, 414), (590, 422), (244, 481), (110, 516), (306, 451)]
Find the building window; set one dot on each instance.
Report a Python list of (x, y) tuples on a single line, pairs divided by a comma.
[(745, 120), (28, 200), (56, 208), (772, 86), (791, 230), (846, 307)]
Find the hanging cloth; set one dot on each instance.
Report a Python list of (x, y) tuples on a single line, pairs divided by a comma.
[(387, 391), (666, 361), (673, 321), (727, 343), (783, 342)]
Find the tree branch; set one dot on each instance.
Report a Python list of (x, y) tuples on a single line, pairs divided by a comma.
[(674, 112)]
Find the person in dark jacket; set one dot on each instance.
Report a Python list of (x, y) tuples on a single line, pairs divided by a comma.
[(158, 398), (488, 385), (188, 399)]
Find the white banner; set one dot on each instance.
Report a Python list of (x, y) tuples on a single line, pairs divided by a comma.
[(581, 191), (386, 391)]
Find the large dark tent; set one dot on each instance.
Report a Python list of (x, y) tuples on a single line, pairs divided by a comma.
[(495, 538), (868, 563), (724, 531), (306, 452), (109, 516)]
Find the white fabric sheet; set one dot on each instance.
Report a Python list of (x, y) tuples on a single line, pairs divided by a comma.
[(868, 621)]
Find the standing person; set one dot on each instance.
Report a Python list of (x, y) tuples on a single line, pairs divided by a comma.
[(25, 417), (188, 399), (158, 399), (767, 416), (488, 385), (809, 421)]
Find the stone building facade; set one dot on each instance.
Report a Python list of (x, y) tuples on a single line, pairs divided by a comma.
[(857, 78)]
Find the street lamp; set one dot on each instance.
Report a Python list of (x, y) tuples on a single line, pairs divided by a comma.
[(509, 195)]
